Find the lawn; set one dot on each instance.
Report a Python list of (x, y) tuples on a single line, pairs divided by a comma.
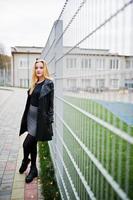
[(114, 153)]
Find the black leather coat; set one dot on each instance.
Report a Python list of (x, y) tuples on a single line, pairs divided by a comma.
[(44, 130)]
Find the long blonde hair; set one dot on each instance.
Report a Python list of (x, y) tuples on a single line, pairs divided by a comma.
[(34, 78)]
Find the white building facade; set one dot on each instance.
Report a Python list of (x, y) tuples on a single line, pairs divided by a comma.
[(23, 58), (93, 69), (83, 69)]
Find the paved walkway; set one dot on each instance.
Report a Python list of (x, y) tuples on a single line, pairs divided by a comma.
[(12, 184)]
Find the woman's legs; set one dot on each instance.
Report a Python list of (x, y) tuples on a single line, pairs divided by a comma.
[(29, 147), (33, 153)]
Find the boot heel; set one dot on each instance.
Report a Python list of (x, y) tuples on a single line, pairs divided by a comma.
[(32, 174)]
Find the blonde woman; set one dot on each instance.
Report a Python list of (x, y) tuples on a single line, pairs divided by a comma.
[(37, 117)]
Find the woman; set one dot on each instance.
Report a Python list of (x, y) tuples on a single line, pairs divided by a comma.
[(38, 116)]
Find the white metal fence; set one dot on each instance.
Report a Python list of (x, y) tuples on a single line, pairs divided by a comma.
[(90, 56)]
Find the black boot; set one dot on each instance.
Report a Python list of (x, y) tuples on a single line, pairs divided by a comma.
[(24, 166), (32, 174)]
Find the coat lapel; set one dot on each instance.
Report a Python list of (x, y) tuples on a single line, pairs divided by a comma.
[(45, 88)]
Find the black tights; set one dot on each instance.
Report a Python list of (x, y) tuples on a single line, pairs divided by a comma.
[(30, 148)]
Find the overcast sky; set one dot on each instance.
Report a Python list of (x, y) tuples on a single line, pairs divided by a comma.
[(27, 22)]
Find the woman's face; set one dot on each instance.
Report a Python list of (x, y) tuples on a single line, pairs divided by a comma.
[(39, 69)]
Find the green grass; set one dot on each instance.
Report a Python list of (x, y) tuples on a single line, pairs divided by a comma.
[(114, 153), (50, 189), (101, 112)]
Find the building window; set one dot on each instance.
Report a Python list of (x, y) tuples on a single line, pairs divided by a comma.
[(24, 83), (114, 83), (100, 83), (129, 64), (85, 63), (82, 63), (72, 85), (71, 62), (89, 63), (128, 83), (114, 64), (23, 62), (86, 84), (67, 63), (100, 64), (74, 62)]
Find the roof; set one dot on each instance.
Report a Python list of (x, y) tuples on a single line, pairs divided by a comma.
[(26, 49)]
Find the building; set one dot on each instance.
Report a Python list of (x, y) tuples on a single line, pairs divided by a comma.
[(83, 69), (96, 70), (23, 58)]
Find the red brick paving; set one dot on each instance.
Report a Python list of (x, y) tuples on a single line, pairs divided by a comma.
[(12, 184)]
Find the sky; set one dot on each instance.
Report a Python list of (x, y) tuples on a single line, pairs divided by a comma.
[(27, 22)]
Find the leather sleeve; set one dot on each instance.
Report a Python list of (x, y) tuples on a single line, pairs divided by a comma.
[(51, 104)]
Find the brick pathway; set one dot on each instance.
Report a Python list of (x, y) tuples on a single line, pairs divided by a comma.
[(12, 184)]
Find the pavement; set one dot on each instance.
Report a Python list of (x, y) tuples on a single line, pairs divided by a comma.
[(12, 184)]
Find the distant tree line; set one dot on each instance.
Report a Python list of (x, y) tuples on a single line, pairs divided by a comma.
[(5, 67), (5, 61)]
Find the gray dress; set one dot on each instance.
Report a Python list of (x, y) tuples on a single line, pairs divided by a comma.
[(32, 120), (32, 113)]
